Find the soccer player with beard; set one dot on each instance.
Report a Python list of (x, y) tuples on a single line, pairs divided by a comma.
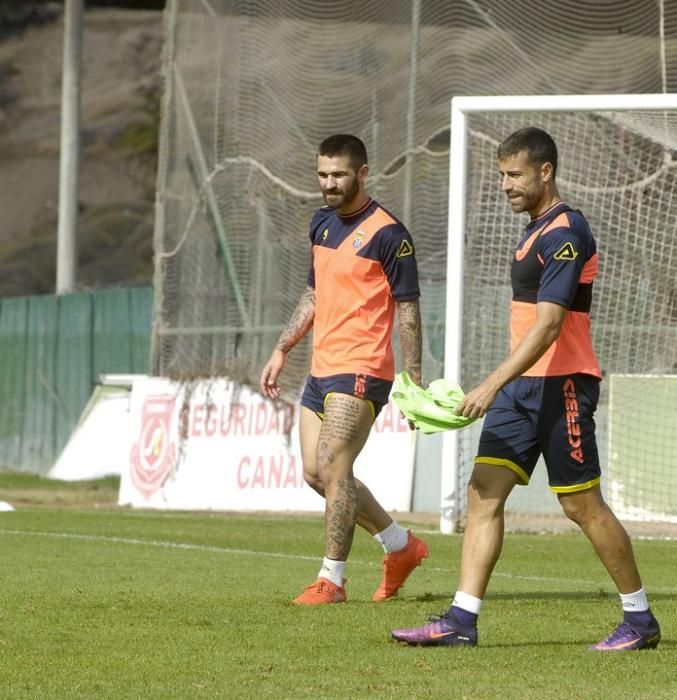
[(541, 400), (363, 271)]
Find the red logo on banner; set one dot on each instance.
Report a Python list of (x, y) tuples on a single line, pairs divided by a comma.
[(153, 456)]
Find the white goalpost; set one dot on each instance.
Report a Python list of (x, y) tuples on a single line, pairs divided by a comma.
[(618, 164)]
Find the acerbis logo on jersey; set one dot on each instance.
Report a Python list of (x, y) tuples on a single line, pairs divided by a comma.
[(566, 252), (405, 249)]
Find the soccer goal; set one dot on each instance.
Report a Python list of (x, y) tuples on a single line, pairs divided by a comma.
[(617, 164)]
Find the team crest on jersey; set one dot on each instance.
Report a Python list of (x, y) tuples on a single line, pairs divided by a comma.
[(566, 252), (325, 233), (359, 238), (405, 249)]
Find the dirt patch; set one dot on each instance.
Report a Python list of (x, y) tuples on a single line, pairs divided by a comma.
[(38, 492)]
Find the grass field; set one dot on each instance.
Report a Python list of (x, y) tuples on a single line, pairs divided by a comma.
[(102, 602)]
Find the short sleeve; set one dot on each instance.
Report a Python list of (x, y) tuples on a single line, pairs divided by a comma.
[(564, 251), (398, 258)]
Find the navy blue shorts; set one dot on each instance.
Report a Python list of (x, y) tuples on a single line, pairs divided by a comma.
[(552, 416), (375, 391)]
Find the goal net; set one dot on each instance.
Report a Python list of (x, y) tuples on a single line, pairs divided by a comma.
[(618, 165), (253, 86), (242, 118)]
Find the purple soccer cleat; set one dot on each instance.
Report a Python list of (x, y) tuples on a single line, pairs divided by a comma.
[(627, 638), (441, 631)]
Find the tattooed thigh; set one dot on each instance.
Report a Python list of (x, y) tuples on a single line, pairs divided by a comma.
[(346, 426)]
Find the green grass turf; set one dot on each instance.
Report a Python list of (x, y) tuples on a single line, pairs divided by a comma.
[(114, 603)]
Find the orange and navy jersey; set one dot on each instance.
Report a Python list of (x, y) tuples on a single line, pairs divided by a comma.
[(556, 261), (362, 264)]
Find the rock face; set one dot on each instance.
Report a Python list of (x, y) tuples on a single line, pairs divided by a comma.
[(120, 95)]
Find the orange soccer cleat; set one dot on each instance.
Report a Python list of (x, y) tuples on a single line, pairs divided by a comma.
[(321, 592), (398, 565)]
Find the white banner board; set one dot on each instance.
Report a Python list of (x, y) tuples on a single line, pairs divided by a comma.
[(215, 445)]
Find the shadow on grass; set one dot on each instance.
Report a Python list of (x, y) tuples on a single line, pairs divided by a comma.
[(540, 595), (583, 644), (503, 645), (575, 644)]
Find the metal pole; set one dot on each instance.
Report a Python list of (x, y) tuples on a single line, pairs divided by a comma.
[(159, 244), (70, 148), (411, 114), (661, 35)]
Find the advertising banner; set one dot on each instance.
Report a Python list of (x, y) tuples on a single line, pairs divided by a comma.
[(216, 445)]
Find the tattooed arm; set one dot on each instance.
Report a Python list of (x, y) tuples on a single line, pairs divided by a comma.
[(409, 314), (299, 324)]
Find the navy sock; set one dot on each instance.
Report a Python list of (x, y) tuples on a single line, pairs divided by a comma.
[(463, 617), (640, 620)]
